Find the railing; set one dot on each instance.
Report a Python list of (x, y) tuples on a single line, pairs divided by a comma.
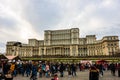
[(66, 56)]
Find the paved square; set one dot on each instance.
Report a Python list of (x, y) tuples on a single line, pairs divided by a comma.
[(84, 75)]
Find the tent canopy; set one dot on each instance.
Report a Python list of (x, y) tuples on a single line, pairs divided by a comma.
[(13, 58), (102, 61), (3, 57)]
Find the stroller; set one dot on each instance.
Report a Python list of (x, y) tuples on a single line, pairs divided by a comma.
[(9, 76), (1, 76)]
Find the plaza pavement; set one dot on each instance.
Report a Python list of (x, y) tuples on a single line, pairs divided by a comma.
[(84, 75)]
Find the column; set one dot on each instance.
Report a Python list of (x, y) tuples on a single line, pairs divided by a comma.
[(60, 50), (44, 51), (71, 51), (54, 51)]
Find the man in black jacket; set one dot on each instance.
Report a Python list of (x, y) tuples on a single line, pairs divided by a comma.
[(61, 69)]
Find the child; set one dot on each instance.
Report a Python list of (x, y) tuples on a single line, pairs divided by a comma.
[(55, 77)]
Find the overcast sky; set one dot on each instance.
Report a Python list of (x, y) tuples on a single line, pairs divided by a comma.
[(24, 19)]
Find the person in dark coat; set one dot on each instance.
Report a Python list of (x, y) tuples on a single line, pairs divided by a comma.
[(101, 69), (53, 69), (119, 70), (34, 72), (112, 67), (73, 69), (1, 70), (28, 68), (61, 69), (69, 69), (94, 73)]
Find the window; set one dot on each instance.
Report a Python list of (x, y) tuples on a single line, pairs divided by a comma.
[(111, 44)]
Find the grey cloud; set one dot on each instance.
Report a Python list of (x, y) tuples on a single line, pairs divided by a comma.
[(2, 47), (51, 14), (42, 14), (7, 22), (2, 44)]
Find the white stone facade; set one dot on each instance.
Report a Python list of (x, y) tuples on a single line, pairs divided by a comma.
[(65, 42)]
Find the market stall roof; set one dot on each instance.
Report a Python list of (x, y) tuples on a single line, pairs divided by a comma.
[(3, 57), (13, 58), (102, 61)]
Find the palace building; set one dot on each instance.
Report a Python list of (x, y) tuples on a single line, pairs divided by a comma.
[(66, 43)]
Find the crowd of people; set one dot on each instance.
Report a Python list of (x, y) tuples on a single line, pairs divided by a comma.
[(38, 69)]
